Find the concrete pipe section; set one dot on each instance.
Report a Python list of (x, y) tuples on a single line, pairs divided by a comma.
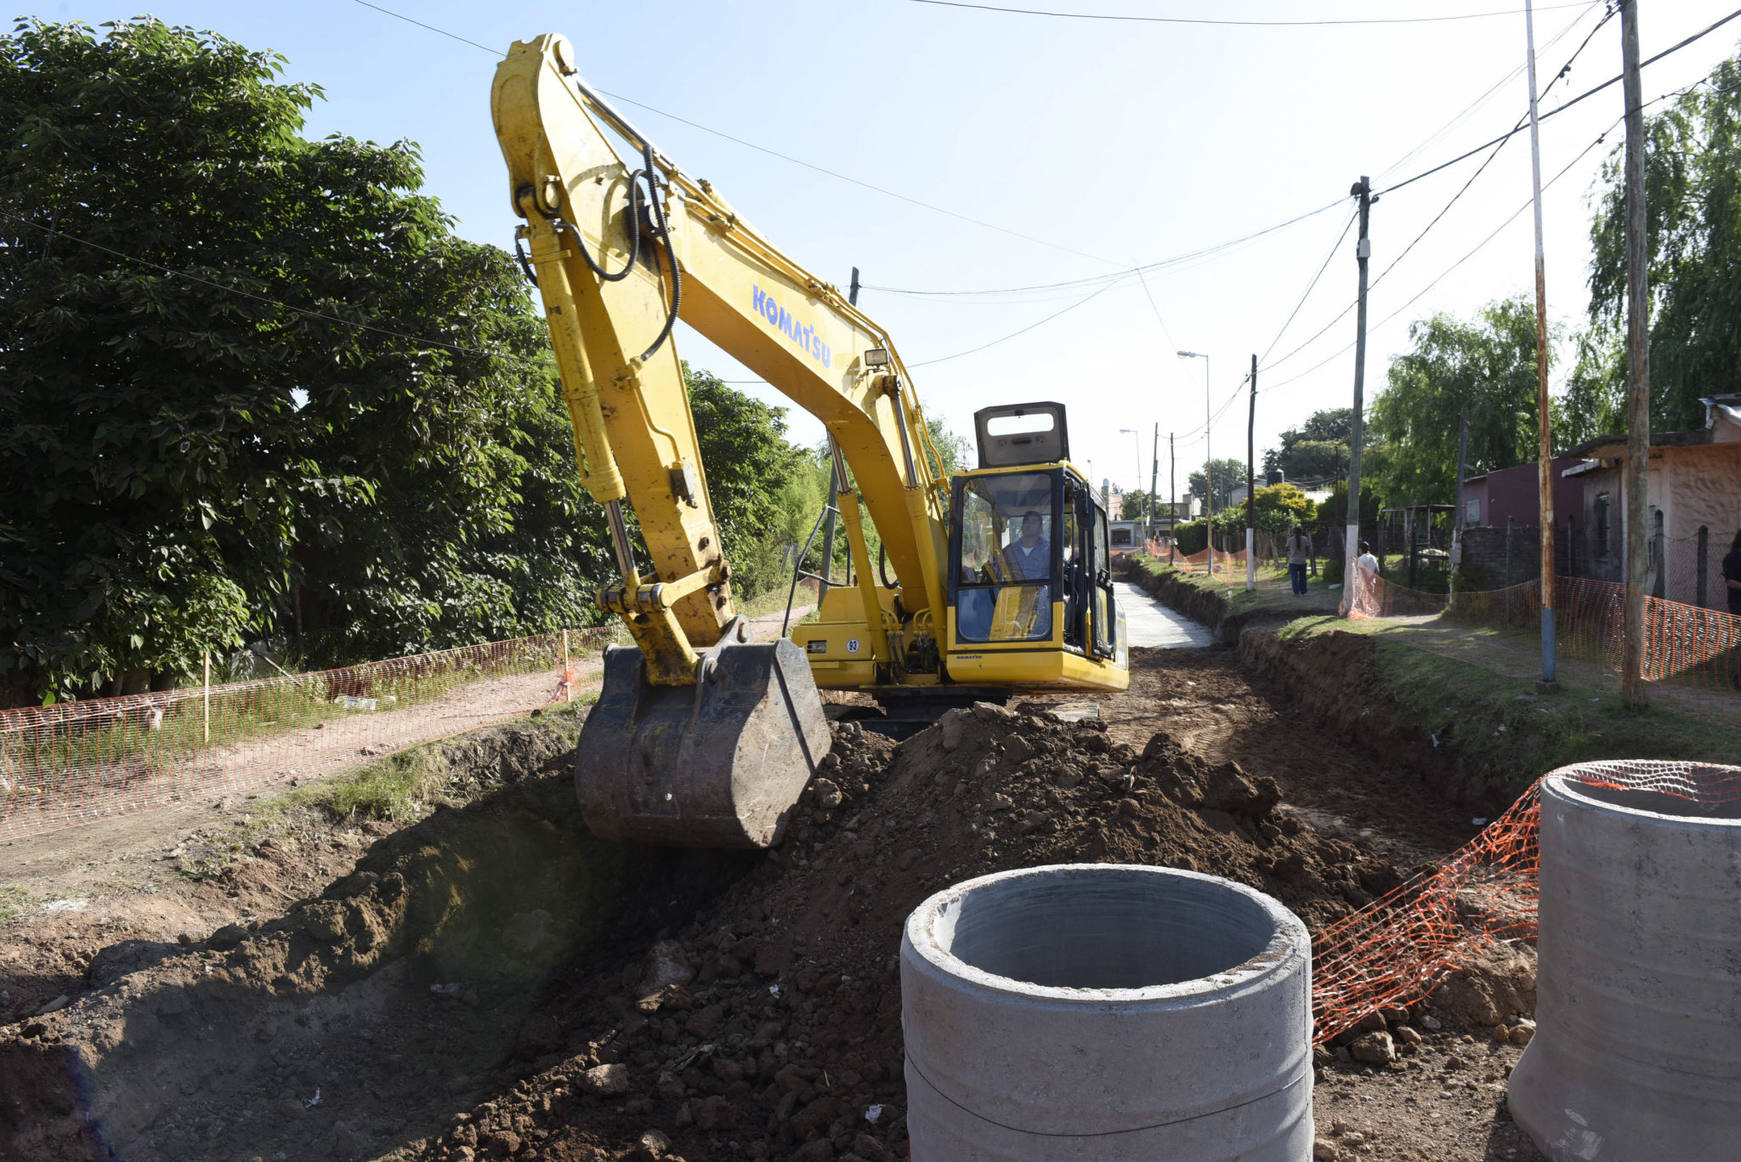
[(1637, 1052), (1106, 1013)]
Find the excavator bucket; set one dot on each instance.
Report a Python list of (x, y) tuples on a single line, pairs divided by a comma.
[(718, 764)]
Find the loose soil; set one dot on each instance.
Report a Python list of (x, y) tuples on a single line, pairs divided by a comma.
[(492, 982)]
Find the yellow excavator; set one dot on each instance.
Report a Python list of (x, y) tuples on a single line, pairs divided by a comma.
[(1001, 575)]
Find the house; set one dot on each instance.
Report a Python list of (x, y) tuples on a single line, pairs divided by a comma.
[(1512, 495), (1694, 503)]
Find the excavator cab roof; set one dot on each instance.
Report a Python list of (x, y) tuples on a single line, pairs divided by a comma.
[(1022, 433)]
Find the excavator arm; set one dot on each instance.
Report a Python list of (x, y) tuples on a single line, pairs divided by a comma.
[(699, 737), (621, 246)]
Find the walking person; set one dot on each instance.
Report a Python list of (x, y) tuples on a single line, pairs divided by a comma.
[(1299, 553), (1732, 582), (1366, 581)]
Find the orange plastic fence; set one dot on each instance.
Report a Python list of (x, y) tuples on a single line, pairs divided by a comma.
[(1396, 950), (76, 761)]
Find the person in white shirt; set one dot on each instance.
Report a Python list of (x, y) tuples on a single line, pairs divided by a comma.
[(1366, 580)]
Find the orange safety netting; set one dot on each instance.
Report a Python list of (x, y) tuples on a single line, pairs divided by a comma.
[(1396, 950), (82, 760)]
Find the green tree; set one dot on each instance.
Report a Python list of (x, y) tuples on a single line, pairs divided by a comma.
[(1229, 474), (1316, 450), (1136, 506), (1282, 506), (1487, 366), (1692, 179), (204, 430), (766, 493)]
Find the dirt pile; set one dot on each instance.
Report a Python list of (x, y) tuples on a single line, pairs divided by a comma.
[(769, 1025), (580, 1001)]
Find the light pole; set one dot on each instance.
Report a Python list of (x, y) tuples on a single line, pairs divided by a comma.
[(1136, 443), (1208, 462)]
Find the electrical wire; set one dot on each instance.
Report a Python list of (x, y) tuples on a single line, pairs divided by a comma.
[(1144, 268), (1013, 334), (1478, 247), (1234, 23), (1498, 144), (1586, 94), (1334, 247), (786, 157)]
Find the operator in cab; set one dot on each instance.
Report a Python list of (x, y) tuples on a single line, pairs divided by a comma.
[(1031, 555)]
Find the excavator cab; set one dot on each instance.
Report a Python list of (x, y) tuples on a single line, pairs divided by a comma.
[(1030, 583)]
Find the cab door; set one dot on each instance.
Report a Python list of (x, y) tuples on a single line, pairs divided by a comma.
[(1105, 606)]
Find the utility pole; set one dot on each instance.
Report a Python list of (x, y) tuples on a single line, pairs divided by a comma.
[(1362, 253), (1154, 475), (1637, 478), (1462, 506), (1251, 486), (1173, 493), (1545, 466), (1208, 461)]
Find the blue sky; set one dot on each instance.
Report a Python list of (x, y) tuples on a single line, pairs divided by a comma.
[(1047, 150)]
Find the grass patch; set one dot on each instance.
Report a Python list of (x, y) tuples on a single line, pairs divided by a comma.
[(14, 903), (1503, 729), (399, 789), (1273, 593)]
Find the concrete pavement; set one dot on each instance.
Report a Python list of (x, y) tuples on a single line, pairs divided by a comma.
[(1151, 624)]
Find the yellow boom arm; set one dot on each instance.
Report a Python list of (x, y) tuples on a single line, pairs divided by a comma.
[(603, 235)]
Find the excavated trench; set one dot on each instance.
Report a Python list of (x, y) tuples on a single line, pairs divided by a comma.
[(492, 982), (359, 1020)]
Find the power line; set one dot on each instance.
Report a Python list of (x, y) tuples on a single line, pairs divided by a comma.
[(1337, 245), (1023, 331), (1233, 23), (1478, 247), (798, 161), (1488, 94), (1145, 268), (1587, 93)]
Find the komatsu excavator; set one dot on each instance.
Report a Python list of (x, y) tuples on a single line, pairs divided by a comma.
[(1001, 575)]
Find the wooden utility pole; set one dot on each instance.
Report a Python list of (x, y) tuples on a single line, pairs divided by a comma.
[(1154, 476), (1544, 433), (1462, 506), (1637, 478), (1251, 486), (1362, 253)]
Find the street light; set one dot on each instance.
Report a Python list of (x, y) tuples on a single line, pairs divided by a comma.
[(1136, 443), (1208, 461)]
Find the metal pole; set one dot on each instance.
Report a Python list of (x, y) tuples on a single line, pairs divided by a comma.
[(1636, 477), (206, 664), (1173, 494), (1208, 474), (1545, 457), (1362, 252), (1251, 487)]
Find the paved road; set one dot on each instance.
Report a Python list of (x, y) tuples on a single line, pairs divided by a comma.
[(1152, 624)]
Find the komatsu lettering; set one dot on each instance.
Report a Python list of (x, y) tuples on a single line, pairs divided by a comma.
[(804, 337)]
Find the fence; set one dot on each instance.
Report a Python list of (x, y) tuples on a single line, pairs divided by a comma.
[(1396, 950), (1685, 647), (77, 761)]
